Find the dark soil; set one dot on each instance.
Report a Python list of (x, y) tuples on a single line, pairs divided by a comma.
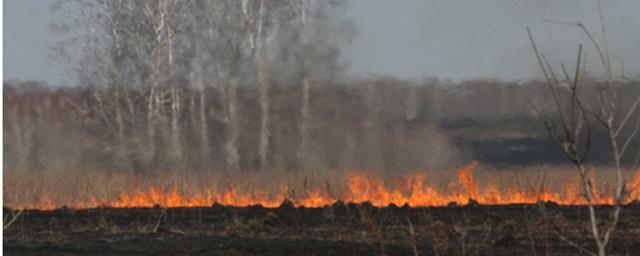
[(352, 229)]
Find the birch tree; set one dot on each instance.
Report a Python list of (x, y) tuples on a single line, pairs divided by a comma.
[(319, 35), (572, 129), (226, 38), (197, 9), (93, 43), (305, 85)]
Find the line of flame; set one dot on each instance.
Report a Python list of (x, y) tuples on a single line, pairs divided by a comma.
[(361, 189)]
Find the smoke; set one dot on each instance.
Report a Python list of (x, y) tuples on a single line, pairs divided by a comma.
[(463, 39), (379, 123)]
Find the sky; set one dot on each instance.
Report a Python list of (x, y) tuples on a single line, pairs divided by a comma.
[(455, 39)]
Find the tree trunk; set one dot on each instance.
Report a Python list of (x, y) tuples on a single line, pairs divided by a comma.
[(200, 113), (265, 103), (119, 120), (304, 122), (305, 91), (152, 106), (232, 117), (231, 148), (155, 92), (204, 126), (176, 102), (176, 109), (116, 87)]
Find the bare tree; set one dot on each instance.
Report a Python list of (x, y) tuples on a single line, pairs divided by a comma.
[(318, 34), (145, 56), (305, 85), (95, 30), (116, 56), (196, 75), (156, 16), (573, 120), (175, 88), (227, 34), (256, 20), (243, 24)]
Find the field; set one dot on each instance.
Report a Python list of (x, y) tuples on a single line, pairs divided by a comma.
[(338, 229), (241, 128), (496, 212)]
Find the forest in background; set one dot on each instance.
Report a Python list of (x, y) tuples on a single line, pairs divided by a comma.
[(370, 124), (259, 85)]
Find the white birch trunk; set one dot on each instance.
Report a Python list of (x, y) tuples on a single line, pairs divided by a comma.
[(231, 147), (305, 91)]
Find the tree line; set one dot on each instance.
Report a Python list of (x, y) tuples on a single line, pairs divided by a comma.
[(239, 85), (179, 57), (379, 123)]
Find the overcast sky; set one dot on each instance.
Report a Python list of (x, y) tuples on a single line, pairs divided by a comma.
[(457, 39)]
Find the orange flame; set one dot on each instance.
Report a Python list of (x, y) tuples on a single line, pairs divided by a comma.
[(361, 188)]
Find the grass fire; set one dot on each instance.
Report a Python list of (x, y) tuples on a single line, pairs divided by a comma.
[(414, 190), (326, 127)]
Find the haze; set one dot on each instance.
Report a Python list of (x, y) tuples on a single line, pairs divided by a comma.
[(457, 39)]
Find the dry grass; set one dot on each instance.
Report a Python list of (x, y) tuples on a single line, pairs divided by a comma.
[(28, 188)]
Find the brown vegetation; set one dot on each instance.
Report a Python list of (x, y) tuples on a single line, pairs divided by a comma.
[(364, 125)]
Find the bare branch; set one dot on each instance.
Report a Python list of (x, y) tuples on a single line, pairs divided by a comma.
[(15, 216), (565, 73), (549, 76), (569, 242), (628, 140), (630, 113), (535, 49), (586, 31)]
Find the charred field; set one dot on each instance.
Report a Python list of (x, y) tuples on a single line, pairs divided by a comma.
[(337, 229), (482, 211)]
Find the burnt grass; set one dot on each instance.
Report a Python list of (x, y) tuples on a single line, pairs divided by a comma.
[(339, 229)]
